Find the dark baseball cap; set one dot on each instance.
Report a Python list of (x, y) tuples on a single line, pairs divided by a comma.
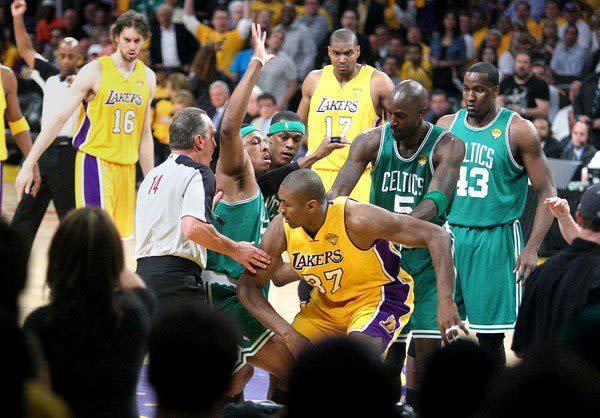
[(570, 7), (589, 205)]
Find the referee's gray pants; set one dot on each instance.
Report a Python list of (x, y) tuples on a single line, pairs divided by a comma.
[(174, 280)]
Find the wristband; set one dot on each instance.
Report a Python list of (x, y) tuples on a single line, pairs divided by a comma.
[(18, 126), (440, 200), (262, 61)]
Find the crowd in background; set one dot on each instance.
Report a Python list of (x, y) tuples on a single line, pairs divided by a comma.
[(548, 53)]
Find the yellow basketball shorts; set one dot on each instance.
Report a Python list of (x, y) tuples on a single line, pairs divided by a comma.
[(362, 190), (381, 312), (112, 186)]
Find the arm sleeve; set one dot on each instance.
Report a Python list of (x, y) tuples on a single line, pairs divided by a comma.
[(243, 27), (270, 182), (198, 196), (191, 23), (42, 66)]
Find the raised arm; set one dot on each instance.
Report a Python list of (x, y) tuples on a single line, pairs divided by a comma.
[(362, 152), (527, 141), (146, 149), (231, 153), (367, 223), (24, 46), (448, 156), (86, 81), (249, 289)]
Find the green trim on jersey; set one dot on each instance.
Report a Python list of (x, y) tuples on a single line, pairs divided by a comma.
[(245, 220), (492, 186)]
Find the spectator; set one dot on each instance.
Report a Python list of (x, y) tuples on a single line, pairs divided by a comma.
[(253, 111), (298, 43), (566, 283), (415, 67), (178, 12), (47, 22), (584, 38), (505, 26), (550, 145), (240, 62), (8, 53), (91, 335), (72, 24), (203, 72), (391, 66), (536, 9), (488, 54), (315, 21), (414, 36), (524, 92), (172, 45), (279, 77), (438, 106), (524, 390), (218, 92), (89, 11), (565, 118), (552, 14), (379, 42), (227, 42), (569, 57), (464, 24), (264, 19), (587, 106), (350, 370), (479, 25), (549, 40), (578, 148), (101, 23), (493, 40), (592, 64), (543, 72), (273, 7), (395, 46), (448, 55), (475, 376), (94, 52), (520, 41), (266, 109), (183, 333), (523, 16), (236, 11)]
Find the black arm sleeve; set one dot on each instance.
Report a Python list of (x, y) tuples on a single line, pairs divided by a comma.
[(45, 69), (270, 182)]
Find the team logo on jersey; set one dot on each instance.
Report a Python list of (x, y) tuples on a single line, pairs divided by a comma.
[(302, 261), (331, 238), (331, 104), (422, 159), (123, 97), (389, 324), (496, 133)]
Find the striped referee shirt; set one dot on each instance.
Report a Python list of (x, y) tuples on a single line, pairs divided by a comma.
[(178, 187)]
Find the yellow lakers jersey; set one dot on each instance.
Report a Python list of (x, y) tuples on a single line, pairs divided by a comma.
[(112, 126), (340, 111), (331, 263), (3, 152)]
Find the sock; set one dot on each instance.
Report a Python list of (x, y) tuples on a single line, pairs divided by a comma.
[(395, 358), (493, 345), (279, 396), (411, 397)]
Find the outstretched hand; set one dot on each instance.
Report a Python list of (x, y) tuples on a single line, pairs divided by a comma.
[(260, 51), (18, 8)]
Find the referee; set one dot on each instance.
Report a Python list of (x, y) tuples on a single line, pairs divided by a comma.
[(57, 164), (174, 214)]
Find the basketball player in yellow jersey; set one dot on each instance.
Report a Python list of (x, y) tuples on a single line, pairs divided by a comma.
[(115, 132), (19, 128), (342, 100), (344, 250)]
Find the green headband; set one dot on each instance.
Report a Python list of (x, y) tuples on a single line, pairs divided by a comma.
[(286, 126), (247, 129)]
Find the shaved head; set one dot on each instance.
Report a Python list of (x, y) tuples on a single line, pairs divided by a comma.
[(305, 185), (412, 92), (345, 36)]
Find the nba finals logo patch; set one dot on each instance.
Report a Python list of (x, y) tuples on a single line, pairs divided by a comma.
[(496, 133), (422, 160), (331, 238), (389, 324)]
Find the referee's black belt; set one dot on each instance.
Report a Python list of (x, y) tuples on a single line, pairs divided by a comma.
[(62, 141)]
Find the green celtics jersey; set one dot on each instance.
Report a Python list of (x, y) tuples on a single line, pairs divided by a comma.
[(398, 184), (246, 220), (272, 203), (492, 186)]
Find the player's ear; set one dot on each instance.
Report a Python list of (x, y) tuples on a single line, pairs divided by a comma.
[(422, 112), (312, 206)]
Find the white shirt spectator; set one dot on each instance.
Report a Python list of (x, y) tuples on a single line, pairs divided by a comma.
[(584, 37), (178, 187), (560, 123), (168, 47)]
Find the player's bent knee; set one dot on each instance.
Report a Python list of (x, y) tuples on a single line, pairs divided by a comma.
[(240, 379), (375, 342)]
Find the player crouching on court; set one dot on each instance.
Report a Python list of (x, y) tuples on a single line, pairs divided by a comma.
[(344, 250)]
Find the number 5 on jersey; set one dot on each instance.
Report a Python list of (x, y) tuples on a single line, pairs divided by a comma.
[(127, 125)]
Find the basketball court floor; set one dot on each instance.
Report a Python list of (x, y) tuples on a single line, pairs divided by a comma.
[(284, 299)]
